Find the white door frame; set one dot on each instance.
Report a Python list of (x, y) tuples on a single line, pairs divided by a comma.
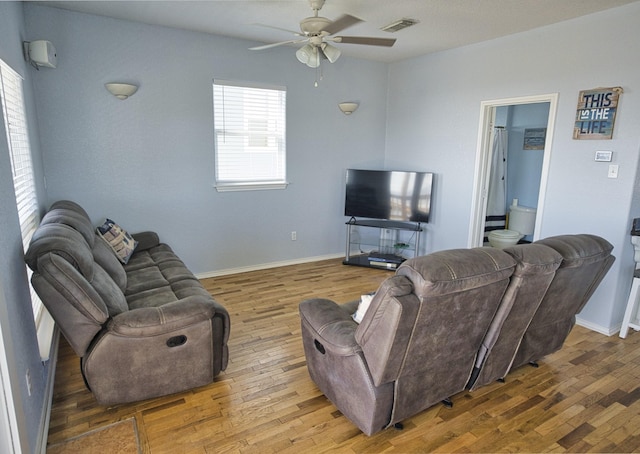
[(483, 162)]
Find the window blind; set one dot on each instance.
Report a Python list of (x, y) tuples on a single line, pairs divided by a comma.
[(15, 124), (250, 135)]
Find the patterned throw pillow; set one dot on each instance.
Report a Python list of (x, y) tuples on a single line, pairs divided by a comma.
[(118, 239)]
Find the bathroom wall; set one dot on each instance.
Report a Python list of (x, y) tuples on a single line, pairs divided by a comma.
[(524, 167)]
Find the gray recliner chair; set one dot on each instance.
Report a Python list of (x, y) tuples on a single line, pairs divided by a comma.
[(536, 266), (586, 259), (535, 321), (418, 341), (144, 329)]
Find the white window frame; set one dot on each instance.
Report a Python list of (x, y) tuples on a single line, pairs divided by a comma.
[(249, 136), (17, 132)]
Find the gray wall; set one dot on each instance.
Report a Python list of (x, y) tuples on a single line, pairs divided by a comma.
[(147, 162), (16, 317), (599, 50), (524, 167)]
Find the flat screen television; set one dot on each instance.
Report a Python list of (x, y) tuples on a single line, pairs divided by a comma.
[(388, 194)]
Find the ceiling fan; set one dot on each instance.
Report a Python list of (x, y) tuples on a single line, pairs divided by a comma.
[(318, 32)]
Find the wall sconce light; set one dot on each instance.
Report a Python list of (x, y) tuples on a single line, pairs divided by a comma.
[(120, 90), (348, 107)]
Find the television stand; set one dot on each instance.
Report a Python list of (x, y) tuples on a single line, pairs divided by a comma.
[(381, 244)]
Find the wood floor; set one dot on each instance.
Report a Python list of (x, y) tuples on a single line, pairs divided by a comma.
[(584, 398)]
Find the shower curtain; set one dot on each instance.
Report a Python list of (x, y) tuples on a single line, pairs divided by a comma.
[(496, 202)]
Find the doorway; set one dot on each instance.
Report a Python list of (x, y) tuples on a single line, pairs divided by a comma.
[(488, 110)]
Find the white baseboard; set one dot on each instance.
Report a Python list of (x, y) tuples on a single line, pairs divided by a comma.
[(265, 266), (607, 331)]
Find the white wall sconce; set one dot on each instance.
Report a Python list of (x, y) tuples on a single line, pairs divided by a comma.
[(120, 90), (348, 107)]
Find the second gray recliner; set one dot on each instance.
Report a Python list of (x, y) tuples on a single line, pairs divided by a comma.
[(536, 266), (536, 320), (586, 259)]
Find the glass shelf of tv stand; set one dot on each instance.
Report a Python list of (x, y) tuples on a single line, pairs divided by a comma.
[(396, 241)]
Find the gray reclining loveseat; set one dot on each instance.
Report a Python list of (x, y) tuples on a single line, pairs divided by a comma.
[(143, 329), (432, 327)]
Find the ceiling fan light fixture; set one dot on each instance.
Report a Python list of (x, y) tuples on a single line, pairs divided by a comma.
[(331, 52), (305, 53), (314, 60), (309, 55)]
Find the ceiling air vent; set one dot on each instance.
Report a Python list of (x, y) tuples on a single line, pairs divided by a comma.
[(399, 25)]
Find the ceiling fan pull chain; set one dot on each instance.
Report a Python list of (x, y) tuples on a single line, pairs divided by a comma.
[(318, 71)]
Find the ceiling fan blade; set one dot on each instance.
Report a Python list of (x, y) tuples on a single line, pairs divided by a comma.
[(341, 23), (282, 43), (278, 28), (387, 42)]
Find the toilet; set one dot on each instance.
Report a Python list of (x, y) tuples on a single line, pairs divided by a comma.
[(522, 221), (504, 238)]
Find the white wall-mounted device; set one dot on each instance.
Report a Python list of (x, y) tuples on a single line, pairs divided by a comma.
[(603, 156), (40, 53)]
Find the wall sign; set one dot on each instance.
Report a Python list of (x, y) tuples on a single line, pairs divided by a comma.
[(596, 113), (534, 138)]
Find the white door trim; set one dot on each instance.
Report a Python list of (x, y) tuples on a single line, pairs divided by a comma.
[(483, 162)]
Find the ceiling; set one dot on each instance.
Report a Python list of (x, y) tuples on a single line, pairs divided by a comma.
[(444, 24)]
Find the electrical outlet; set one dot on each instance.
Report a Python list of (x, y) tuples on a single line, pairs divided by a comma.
[(28, 378), (294, 235)]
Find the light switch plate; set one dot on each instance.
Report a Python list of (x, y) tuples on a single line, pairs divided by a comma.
[(613, 171)]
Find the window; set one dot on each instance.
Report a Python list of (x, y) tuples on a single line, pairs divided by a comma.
[(15, 124), (250, 144)]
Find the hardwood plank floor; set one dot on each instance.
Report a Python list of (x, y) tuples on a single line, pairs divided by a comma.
[(584, 398)]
